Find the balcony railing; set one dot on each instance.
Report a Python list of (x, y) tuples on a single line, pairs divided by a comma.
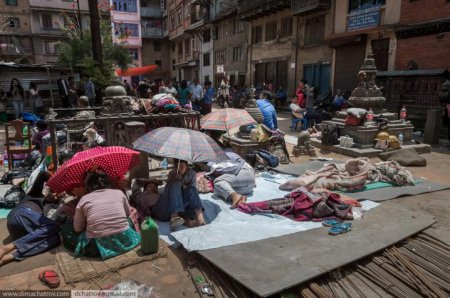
[(152, 33), (151, 12), (257, 8), (307, 6)]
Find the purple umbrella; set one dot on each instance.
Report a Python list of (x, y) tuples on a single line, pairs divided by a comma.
[(180, 143)]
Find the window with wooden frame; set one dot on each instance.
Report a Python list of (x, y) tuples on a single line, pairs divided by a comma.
[(314, 30), (257, 34), (271, 30), (286, 27)]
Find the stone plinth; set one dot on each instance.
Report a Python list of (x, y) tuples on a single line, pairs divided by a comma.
[(363, 136)]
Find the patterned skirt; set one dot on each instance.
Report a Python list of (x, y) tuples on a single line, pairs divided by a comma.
[(104, 247)]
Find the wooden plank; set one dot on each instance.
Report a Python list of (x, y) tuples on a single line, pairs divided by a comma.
[(272, 265)]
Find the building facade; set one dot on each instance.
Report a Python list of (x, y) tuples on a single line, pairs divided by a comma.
[(16, 43), (155, 42), (423, 35), (230, 37), (48, 21), (271, 54), (313, 20), (361, 27), (126, 27), (186, 20)]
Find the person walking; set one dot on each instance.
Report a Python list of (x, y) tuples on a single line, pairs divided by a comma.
[(207, 99), (89, 91), (36, 100), (197, 95), (18, 97), (63, 90)]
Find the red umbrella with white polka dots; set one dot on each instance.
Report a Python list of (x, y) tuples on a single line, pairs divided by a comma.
[(115, 161)]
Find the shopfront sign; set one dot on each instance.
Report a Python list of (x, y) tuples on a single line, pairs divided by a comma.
[(364, 18)]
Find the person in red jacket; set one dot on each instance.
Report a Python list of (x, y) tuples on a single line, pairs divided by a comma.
[(300, 94)]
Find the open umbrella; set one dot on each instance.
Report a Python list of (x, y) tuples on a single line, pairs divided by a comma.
[(181, 143), (115, 161), (226, 119)]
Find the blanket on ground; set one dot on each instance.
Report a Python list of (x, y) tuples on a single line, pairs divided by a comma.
[(303, 205), (352, 175)]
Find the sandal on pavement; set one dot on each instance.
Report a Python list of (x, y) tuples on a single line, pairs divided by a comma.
[(176, 222), (340, 228), (50, 278), (331, 222)]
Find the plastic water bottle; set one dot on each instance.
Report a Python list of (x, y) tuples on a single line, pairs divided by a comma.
[(400, 139), (403, 114), (149, 236), (164, 166)]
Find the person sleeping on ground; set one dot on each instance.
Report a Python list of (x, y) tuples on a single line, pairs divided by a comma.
[(101, 226), (233, 179), (31, 231), (179, 203)]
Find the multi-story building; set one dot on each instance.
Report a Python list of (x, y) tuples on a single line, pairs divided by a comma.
[(313, 21), (230, 35), (15, 32), (48, 19), (423, 39), (155, 44), (186, 20), (360, 27), (126, 26), (271, 55)]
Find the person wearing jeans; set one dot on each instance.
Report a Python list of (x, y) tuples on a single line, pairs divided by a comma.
[(32, 232), (180, 196), (17, 94)]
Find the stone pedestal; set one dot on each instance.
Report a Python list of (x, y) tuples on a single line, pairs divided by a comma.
[(363, 136), (432, 127), (134, 130)]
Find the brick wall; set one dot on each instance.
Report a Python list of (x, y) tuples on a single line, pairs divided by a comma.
[(424, 10), (428, 51)]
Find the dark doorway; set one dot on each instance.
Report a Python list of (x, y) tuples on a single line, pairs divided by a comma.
[(380, 50)]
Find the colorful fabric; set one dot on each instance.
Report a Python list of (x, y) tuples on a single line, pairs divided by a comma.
[(300, 206), (181, 143), (115, 161), (226, 119)]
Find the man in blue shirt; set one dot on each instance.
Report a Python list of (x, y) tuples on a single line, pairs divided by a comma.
[(268, 111), (207, 99)]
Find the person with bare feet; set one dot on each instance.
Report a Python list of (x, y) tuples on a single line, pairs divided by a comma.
[(233, 179), (32, 233), (180, 203)]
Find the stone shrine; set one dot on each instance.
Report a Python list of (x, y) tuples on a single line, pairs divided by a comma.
[(367, 96)]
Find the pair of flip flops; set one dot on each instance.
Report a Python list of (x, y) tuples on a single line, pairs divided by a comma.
[(49, 278), (176, 222), (337, 227)]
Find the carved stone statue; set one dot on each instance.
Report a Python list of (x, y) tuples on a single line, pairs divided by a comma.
[(116, 101), (252, 108), (367, 95), (304, 146)]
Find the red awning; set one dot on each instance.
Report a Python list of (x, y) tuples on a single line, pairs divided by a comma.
[(136, 71)]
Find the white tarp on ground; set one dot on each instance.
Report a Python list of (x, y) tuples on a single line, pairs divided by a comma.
[(228, 227)]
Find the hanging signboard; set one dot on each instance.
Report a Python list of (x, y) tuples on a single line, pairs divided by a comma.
[(364, 18), (220, 68)]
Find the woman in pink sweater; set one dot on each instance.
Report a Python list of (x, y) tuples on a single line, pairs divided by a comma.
[(101, 223)]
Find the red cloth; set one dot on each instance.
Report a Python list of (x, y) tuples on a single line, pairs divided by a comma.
[(299, 207), (300, 98)]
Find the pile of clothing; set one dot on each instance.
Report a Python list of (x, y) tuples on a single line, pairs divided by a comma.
[(304, 205), (352, 175), (164, 103)]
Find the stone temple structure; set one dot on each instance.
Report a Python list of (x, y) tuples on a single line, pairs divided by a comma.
[(367, 95)]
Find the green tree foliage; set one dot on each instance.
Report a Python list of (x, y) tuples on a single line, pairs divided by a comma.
[(76, 51)]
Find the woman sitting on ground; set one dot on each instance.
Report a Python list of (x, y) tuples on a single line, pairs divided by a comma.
[(101, 218), (232, 179), (180, 198), (32, 233)]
